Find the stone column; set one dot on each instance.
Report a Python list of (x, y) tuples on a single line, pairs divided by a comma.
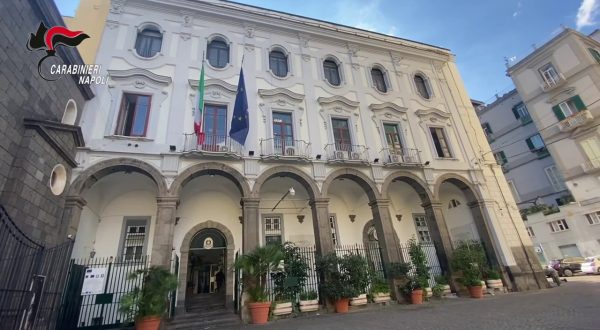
[(162, 244), (388, 240), (438, 230), (321, 226), (251, 224), (71, 216), (483, 228)]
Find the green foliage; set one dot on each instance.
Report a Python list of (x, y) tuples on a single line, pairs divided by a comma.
[(152, 298), (255, 267), (438, 290), (469, 257), (358, 270), (290, 281), (441, 279), (310, 295), (380, 285), (492, 274), (420, 277), (337, 283), (398, 269)]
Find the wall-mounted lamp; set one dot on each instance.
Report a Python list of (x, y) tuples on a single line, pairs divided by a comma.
[(426, 163), (251, 153), (376, 160), (177, 220), (352, 217), (92, 253), (318, 157), (241, 218), (290, 191), (172, 148), (399, 217), (300, 218)]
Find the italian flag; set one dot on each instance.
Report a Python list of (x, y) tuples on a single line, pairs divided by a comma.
[(198, 127)]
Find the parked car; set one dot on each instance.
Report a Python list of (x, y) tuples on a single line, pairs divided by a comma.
[(568, 266), (591, 265)]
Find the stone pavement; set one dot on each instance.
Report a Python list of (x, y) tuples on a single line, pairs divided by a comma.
[(573, 305)]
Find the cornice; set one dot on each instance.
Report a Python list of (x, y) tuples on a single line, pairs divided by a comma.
[(432, 112), (337, 99), (281, 92), (141, 73), (44, 126), (387, 105), (213, 82)]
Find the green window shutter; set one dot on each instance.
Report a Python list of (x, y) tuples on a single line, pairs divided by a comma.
[(515, 112), (578, 103), (595, 54), (503, 157), (529, 143), (558, 113), (488, 127)]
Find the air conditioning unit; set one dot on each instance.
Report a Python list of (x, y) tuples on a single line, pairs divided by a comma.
[(224, 149), (355, 155), (290, 151), (339, 154)]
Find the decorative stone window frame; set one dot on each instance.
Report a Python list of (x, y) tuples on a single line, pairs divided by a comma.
[(285, 101), (134, 220), (390, 113), (428, 85), (70, 114), (288, 55), (438, 118), (216, 92), (136, 81), (386, 78), (340, 70), (263, 226), (232, 54), (343, 108), (139, 28)]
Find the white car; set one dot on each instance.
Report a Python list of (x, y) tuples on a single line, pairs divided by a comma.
[(591, 265)]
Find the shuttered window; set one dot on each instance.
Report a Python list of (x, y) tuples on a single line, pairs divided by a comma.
[(500, 158), (568, 107), (535, 142), (595, 54)]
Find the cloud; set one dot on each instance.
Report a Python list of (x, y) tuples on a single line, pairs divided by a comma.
[(366, 15), (518, 11), (588, 10)]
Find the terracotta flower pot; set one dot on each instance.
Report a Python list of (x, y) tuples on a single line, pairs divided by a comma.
[(341, 305), (259, 312), (416, 297), (476, 291), (148, 323)]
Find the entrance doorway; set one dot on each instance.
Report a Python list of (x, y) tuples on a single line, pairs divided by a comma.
[(207, 265)]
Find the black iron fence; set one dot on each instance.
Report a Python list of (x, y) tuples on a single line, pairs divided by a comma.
[(31, 278), (432, 260)]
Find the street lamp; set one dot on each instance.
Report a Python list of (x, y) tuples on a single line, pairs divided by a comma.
[(290, 191)]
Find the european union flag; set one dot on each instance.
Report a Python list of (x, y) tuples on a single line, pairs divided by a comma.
[(239, 120)]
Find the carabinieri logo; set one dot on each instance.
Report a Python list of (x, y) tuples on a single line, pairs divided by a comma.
[(48, 39)]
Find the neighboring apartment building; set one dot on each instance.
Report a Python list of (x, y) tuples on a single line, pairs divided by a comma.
[(354, 137), (560, 86), (39, 137)]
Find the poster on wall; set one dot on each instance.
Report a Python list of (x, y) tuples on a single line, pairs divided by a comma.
[(93, 282)]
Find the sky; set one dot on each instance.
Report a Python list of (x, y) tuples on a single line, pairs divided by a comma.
[(481, 33)]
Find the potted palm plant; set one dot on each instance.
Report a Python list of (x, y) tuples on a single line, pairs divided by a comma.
[(469, 258), (255, 267), (336, 285), (309, 301), (148, 303)]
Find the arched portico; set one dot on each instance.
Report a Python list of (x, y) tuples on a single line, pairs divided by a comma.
[(211, 168)]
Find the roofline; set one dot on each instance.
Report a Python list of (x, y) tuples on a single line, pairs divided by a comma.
[(499, 100)]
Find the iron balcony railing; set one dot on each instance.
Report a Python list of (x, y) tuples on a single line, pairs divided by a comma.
[(346, 152), (212, 144), (278, 147), (591, 165), (576, 120), (551, 82), (400, 156)]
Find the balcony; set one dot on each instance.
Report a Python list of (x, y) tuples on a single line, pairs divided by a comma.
[(400, 157), (525, 120), (576, 120), (346, 153), (552, 82), (591, 166), (282, 149), (213, 145)]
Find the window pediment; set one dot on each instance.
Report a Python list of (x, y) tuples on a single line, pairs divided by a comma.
[(140, 77), (214, 88), (433, 117), (337, 100), (281, 93), (387, 111)]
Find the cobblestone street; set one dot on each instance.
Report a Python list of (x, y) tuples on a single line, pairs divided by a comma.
[(573, 305)]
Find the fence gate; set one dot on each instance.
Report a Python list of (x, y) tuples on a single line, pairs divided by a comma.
[(31, 278)]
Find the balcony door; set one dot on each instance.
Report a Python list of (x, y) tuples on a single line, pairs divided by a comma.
[(215, 127), (392, 137), (283, 132), (341, 134)]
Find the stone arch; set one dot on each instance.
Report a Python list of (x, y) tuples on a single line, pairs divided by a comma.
[(412, 180), (461, 182), (210, 168), (184, 259), (360, 178), (103, 168), (288, 171)]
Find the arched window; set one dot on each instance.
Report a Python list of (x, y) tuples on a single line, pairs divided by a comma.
[(278, 63), (70, 114), (453, 203), (379, 80), (148, 42), (332, 72), (218, 53), (422, 86)]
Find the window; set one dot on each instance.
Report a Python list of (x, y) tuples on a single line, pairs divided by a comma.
[(273, 228), (440, 142), (148, 42), (341, 134), (591, 148), (568, 107), (215, 126), (555, 178), (520, 112), (218, 53), (379, 80), (558, 225), (593, 218), (421, 227), (278, 63), (549, 74), (530, 231), (570, 250), (453, 203), (500, 158), (134, 239), (422, 86), (332, 72), (513, 190), (283, 132), (134, 114), (595, 54), (392, 137), (334, 229), (535, 142), (487, 129), (70, 114)]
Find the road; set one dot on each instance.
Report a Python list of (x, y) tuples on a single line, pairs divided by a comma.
[(573, 305)]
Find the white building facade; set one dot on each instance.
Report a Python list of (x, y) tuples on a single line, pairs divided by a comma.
[(375, 134)]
